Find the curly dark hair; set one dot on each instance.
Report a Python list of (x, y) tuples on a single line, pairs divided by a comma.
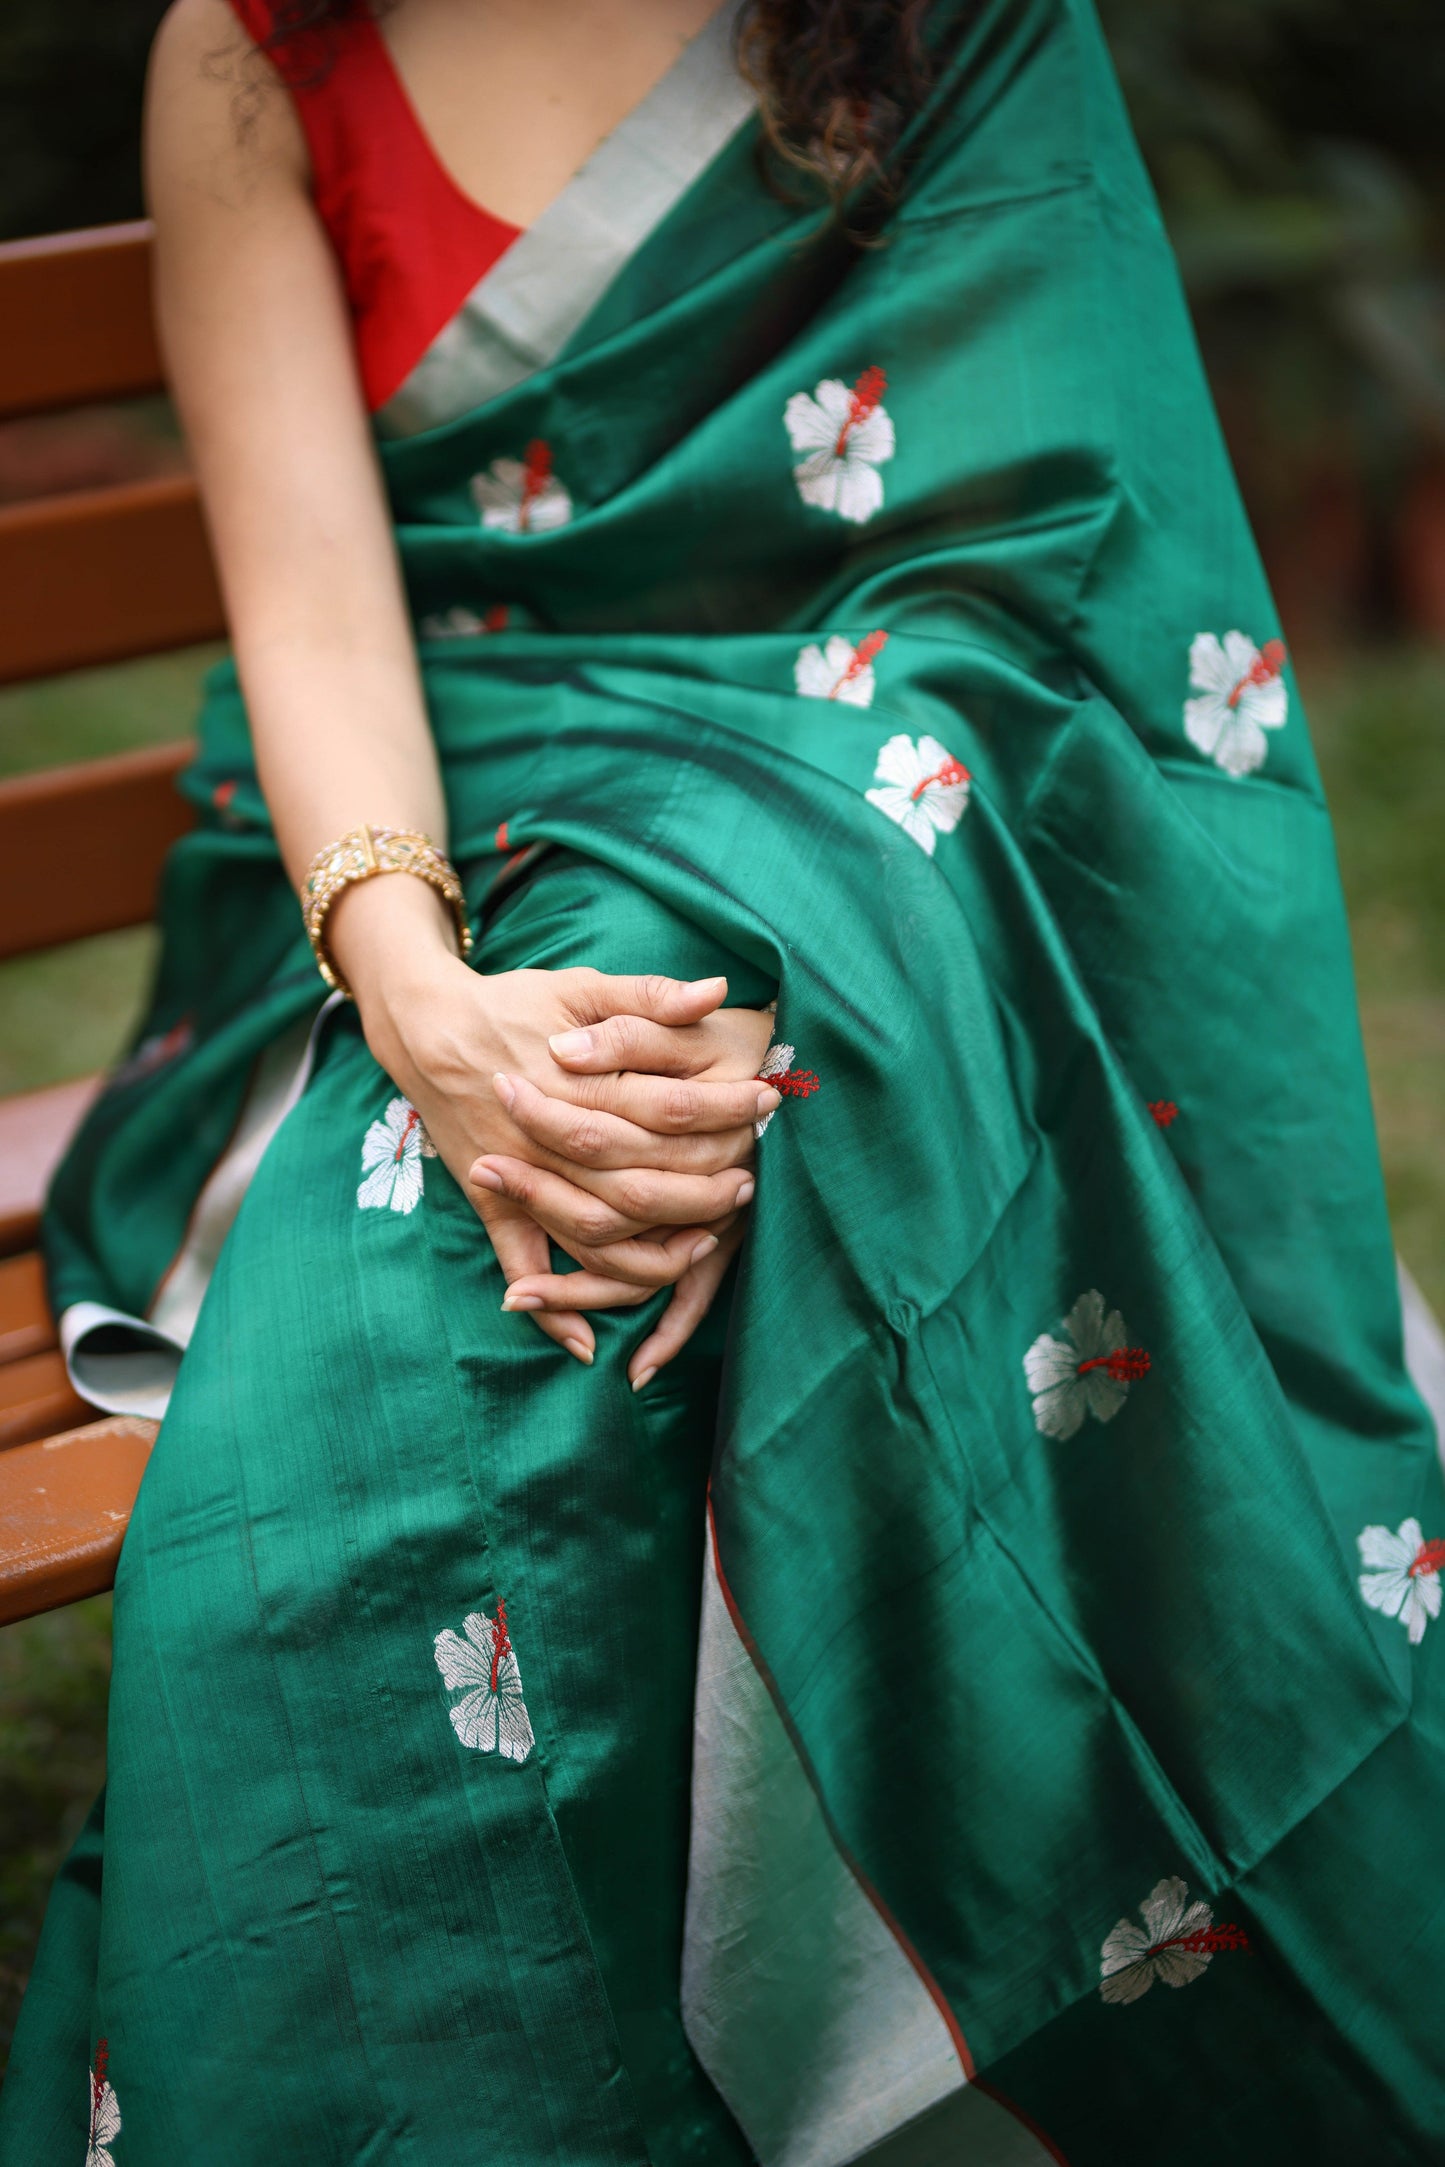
[(837, 80)]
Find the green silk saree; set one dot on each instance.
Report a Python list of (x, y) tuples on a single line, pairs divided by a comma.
[(1050, 1760)]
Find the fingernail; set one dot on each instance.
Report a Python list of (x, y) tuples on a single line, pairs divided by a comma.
[(581, 1349), (523, 1301), (644, 1376), (505, 1089), (571, 1045), (745, 1192), (704, 985), (767, 1101), (704, 1248), (485, 1177)]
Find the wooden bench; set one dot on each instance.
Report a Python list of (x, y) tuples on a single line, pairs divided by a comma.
[(96, 576)]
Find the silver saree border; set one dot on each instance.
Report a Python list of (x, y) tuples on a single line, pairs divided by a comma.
[(522, 313)]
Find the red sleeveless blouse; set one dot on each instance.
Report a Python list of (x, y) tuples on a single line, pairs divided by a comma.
[(410, 244)]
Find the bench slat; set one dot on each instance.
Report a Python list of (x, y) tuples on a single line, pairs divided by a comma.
[(81, 848), (26, 1325), (65, 1503), (35, 1127), (91, 577), (77, 312), (36, 1399), (102, 574)]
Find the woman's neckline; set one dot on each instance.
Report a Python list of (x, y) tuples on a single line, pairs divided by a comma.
[(371, 26)]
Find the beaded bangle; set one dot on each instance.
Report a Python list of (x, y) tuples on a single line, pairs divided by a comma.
[(361, 855)]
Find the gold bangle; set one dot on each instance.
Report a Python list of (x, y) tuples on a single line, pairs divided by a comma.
[(361, 855)]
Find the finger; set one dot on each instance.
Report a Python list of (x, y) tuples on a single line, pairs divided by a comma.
[(661, 1000), (676, 1106), (651, 1261), (605, 1207), (588, 1136), (692, 1298), (575, 1290), (659, 1049), (569, 1214), (523, 1252)]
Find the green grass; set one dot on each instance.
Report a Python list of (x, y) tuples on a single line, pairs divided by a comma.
[(98, 711), (1380, 725), (67, 1012), (54, 1672)]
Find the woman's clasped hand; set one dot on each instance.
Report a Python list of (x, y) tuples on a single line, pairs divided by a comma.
[(612, 1116)]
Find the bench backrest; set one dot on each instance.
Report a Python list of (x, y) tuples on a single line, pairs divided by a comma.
[(98, 575), (92, 577)]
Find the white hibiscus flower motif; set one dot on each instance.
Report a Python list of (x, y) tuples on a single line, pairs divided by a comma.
[(391, 1154), (1402, 1575), (492, 1715), (104, 2112), (845, 435), (920, 786), (839, 670), (1174, 1945), (458, 623), (522, 496), (1241, 694), (792, 1083), (1088, 1372)]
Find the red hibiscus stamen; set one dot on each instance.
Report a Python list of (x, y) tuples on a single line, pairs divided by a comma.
[(97, 2082), (1271, 661), (500, 838), (1126, 1365), (873, 643), (863, 654), (536, 473), (794, 1083), (501, 1641), (952, 771), (1429, 1558), (1165, 1111), (1205, 1940), (867, 393), (406, 1128)]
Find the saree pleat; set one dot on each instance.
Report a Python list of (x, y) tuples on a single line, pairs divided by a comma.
[(365, 1456)]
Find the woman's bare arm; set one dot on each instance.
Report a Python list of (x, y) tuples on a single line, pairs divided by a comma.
[(258, 344)]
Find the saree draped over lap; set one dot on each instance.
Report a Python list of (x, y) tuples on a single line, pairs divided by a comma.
[(1067, 1751)]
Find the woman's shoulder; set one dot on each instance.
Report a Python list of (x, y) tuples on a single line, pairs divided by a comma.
[(211, 42), (217, 113)]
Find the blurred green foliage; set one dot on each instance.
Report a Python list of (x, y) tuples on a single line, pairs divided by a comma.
[(1299, 155)]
